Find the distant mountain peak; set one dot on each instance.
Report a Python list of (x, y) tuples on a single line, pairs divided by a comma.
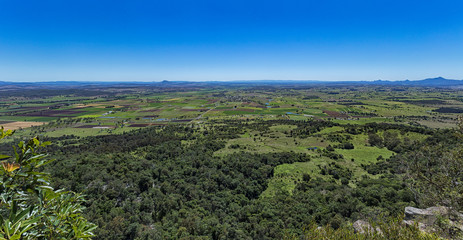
[(437, 78), (430, 82)]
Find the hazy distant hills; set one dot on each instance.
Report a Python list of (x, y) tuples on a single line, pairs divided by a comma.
[(429, 82)]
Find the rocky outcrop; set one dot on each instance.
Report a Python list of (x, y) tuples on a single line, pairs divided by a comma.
[(361, 226), (437, 220), (426, 216), (426, 219)]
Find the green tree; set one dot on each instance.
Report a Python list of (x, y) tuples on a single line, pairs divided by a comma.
[(29, 207), (375, 140)]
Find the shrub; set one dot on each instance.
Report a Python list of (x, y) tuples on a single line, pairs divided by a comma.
[(29, 207)]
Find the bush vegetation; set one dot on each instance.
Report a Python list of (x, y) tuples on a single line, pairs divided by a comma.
[(30, 208)]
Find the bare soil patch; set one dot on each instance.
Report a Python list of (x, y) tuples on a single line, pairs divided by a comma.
[(335, 114), (96, 126), (194, 110), (182, 120), (53, 113), (147, 124), (18, 124)]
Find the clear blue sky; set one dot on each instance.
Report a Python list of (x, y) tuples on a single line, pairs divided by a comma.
[(132, 40)]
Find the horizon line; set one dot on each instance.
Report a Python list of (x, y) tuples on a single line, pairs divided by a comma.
[(235, 80)]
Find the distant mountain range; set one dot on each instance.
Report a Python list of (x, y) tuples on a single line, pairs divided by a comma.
[(429, 82)]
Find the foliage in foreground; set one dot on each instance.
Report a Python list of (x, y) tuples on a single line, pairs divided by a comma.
[(29, 207)]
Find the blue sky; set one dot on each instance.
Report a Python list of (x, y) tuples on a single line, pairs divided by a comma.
[(98, 40)]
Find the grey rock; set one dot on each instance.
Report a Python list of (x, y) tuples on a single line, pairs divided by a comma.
[(426, 216), (426, 219), (361, 226)]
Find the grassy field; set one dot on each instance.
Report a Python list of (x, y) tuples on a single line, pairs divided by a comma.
[(286, 176), (363, 153)]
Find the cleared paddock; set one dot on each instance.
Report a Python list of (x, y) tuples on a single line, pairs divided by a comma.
[(18, 124)]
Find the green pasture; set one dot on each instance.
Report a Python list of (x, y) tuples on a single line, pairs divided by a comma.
[(364, 120), (286, 176), (84, 132), (331, 130), (276, 141), (363, 153)]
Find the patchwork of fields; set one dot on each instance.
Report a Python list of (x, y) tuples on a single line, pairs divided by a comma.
[(140, 107)]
